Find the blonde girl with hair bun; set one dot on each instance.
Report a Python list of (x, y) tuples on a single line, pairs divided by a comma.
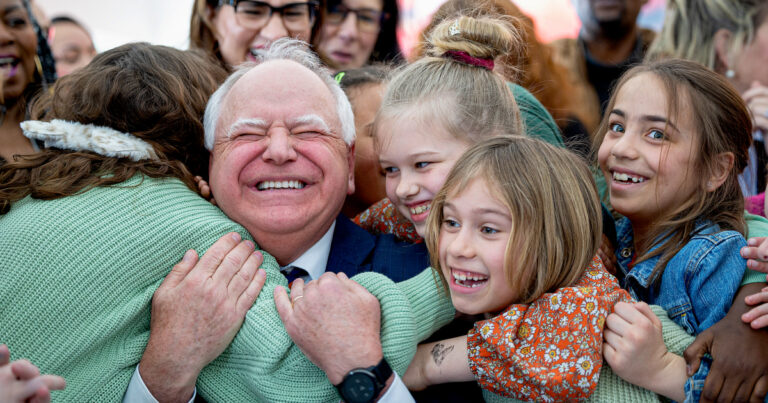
[(436, 108), (513, 234)]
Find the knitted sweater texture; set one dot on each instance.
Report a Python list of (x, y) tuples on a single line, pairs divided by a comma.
[(78, 274)]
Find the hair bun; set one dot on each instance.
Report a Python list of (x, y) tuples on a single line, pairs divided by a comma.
[(482, 38)]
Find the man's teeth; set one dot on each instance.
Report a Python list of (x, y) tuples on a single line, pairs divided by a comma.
[(420, 209), (269, 185), (627, 178), (475, 280), (6, 60)]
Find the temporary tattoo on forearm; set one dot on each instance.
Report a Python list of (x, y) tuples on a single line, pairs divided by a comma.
[(439, 351)]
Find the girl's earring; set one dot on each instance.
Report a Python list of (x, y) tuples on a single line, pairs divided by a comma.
[(730, 73), (709, 185)]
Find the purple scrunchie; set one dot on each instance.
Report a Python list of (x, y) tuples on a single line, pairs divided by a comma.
[(465, 57)]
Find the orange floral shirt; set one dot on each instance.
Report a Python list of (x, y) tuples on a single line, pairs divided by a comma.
[(383, 218), (549, 350)]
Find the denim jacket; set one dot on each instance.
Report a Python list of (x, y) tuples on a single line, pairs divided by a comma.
[(699, 282), (697, 286)]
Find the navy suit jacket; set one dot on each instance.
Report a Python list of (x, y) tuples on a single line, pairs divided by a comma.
[(354, 250)]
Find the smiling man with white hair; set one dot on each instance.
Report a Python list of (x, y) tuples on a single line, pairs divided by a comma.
[(281, 135)]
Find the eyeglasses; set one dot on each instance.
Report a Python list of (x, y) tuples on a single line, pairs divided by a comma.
[(256, 14), (368, 19)]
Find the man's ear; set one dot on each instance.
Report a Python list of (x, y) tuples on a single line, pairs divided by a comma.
[(723, 165), (722, 44), (351, 166)]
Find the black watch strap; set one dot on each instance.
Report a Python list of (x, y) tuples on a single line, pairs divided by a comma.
[(382, 372), (363, 385)]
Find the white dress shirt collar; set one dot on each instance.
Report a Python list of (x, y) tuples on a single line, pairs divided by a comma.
[(315, 259)]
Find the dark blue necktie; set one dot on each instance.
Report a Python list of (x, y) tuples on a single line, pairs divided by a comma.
[(292, 273)]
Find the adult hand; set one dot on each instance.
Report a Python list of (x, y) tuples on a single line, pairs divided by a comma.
[(756, 98), (334, 321), (739, 369), (196, 312), (20, 381)]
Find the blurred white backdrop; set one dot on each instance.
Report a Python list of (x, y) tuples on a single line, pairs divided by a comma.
[(113, 23), (166, 22)]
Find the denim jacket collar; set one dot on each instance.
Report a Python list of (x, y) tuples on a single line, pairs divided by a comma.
[(641, 272)]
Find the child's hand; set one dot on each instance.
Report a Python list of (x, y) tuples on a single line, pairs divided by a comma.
[(757, 317), (756, 98), (606, 254), (20, 381), (635, 350), (756, 253), (204, 189)]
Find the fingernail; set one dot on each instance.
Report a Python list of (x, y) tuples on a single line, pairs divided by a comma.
[(236, 236), (257, 253), (249, 244), (688, 369), (751, 241), (188, 256)]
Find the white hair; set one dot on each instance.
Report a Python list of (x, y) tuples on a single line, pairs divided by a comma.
[(282, 49)]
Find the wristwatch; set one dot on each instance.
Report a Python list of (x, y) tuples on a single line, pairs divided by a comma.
[(363, 385)]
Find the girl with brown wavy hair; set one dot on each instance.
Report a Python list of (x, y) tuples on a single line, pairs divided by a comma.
[(156, 94), (91, 225), (672, 144)]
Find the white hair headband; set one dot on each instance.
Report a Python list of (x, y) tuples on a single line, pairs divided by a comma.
[(87, 137)]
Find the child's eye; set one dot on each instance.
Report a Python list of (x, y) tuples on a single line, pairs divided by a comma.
[(488, 230), (657, 134), (390, 170), (617, 127), (450, 223), (422, 164)]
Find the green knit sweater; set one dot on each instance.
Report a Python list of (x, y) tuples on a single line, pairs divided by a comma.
[(78, 274)]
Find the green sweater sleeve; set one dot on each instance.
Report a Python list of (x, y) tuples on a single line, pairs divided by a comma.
[(537, 121), (757, 226), (262, 364)]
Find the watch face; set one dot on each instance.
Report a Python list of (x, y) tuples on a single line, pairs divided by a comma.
[(358, 388)]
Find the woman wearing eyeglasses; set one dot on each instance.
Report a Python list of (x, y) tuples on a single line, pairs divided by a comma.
[(234, 31), (356, 32)]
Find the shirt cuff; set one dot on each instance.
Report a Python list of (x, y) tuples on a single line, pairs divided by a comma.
[(397, 392), (139, 393)]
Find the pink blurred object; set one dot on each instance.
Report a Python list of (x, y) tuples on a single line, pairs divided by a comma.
[(554, 19), (755, 204)]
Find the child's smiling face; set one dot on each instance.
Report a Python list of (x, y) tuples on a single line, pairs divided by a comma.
[(472, 247), (416, 160), (647, 157)]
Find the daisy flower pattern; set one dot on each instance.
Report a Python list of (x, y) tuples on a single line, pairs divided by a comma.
[(550, 349)]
